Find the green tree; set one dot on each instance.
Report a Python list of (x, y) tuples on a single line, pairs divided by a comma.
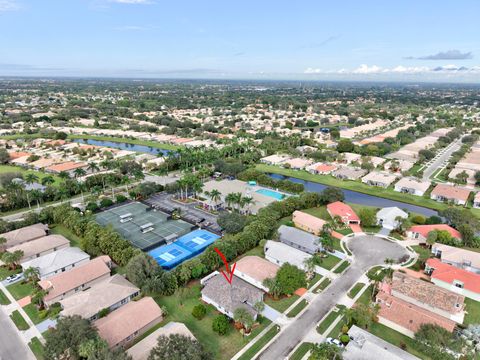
[(178, 347), (324, 351), (290, 278), (199, 311), (368, 217), (242, 316), (220, 324), (12, 259)]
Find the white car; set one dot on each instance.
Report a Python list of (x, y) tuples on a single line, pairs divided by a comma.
[(13, 278), (335, 342)]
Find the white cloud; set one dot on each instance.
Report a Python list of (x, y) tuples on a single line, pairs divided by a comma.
[(8, 5), (365, 69), (408, 69), (312, 71)]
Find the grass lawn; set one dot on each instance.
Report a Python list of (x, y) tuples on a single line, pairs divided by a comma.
[(250, 353), (371, 229), (341, 268), (296, 310), (62, 230), (473, 309), (345, 231), (320, 212), (179, 307), (18, 169), (322, 286), (352, 293), (323, 326), (19, 321), (37, 348), (366, 297), (5, 272), (359, 187), (256, 251), (301, 351), (313, 281), (336, 331), (20, 289), (153, 144), (336, 244), (33, 313), (281, 304), (3, 299), (329, 262)]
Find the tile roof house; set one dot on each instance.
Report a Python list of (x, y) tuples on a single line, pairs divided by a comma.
[(457, 195), (426, 295), (43, 163), (299, 239), (226, 297), (344, 211), (297, 163), (449, 277), (21, 161), (122, 326), (17, 154), (378, 178), (57, 261), (407, 318), (41, 246), (68, 167), (110, 293), (412, 186), (458, 257), (387, 217), (420, 232), (321, 168), (307, 222), (279, 253), (254, 270), (274, 159), (142, 349), (348, 173), (78, 279), (22, 235)]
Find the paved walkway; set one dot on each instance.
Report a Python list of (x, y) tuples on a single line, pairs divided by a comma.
[(270, 313), (356, 228), (46, 324)]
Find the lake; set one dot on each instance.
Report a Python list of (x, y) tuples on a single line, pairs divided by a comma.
[(123, 146)]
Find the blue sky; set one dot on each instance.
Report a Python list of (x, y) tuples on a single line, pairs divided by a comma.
[(319, 40)]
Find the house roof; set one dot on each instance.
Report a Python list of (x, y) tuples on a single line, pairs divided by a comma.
[(425, 229), (451, 192), (308, 220), (349, 172), (457, 255), (412, 183), (100, 296), (125, 321), (66, 166), (17, 154), (409, 316), (64, 282), (380, 177), (257, 268), (141, 350), (276, 159), (24, 234), (427, 293), (341, 209), (285, 253), (391, 213), (448, 273), (44, 162), (232, 296), (56, 260), (298, 162), (40, 245), (304, 239), (325, 168)]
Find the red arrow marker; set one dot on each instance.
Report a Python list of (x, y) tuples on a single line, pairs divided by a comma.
[(230, 272)]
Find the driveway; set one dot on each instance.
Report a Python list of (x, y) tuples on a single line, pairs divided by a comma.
[(270, 313), (368, 251), (441, 159), (11, 345)]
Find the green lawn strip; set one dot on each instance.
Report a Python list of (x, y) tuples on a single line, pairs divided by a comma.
[(366, 296), (281, 304), (19, 321), (320, 212), (37, 348), (336, 244), (314, 280), (371, 229), (329, 262), (473, 312), (336, 331), (62, 230), (352, 293), (4, 299), (179, 307), (299, 307), (258, 345), (301, 351), (33, 313), (358, 187), (322, 285), (6, 272), (323, 326), (17, 169), (346, 231), (20, 289), (152, 144), (341, 268)]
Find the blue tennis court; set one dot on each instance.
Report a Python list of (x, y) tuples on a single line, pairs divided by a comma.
[(197, 240), (169, 256)]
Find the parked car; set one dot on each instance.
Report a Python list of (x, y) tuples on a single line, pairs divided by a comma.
[(335, 342), (13, 278)]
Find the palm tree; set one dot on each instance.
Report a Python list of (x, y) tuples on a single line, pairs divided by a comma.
[(37, 196), (230, 199), (215, 196), (309, 264), (79, 172), (93, 167), (48, 180), (63, 175), (31, 274), (30, 178)]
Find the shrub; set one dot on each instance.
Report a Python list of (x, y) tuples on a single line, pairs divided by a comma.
[(220, 324), (199, 311), (418, 219), (120, 198), (104, 312), (92, 206), (106, 202), (344, 338)]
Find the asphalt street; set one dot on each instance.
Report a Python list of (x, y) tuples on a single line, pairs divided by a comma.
[(11, 345)]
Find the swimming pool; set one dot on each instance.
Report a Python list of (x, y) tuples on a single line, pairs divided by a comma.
[(271, 193)]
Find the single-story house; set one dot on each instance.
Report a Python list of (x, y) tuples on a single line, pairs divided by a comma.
[(279, 253), (297, 163), (43, 163), (458, 257), (307, 222), (457, 195), (29, 186), (387, 217), (378, 178), (17, 154), (23, 235), (274, 159), (255, 270), (57, 261), (426, 295), (344, 211), (398, 165), (21, 161), (78, 279), (366, 346), (142, 349), (226, 297), (476, 201), (375, 160), (411, 185), (351, 157), (69, 167), (348, 173), (458, 280), (41, 246), (110, 293), (122, 326), (420, 232), (299, 239), (321, 168)]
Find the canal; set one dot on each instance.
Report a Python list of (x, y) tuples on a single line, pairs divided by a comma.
[(123, 146), (360, 198)]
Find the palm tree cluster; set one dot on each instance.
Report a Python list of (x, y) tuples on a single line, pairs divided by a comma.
[(237, 202)]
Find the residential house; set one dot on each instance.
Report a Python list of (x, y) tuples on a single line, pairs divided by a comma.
[(274, 159), (23, 235), (78, 279), (378, 178), (321, 168), (299, 239), (255, 270), (110, 294), (411, 185), (420, 232), (343, 211), (348, 173), (458, 280), (57, 261), (458, 257), (455, 194), (388, 217), (41, 246), (279, 253), (226, 297), (476, 201), (122, 326), (69, 167), (297, 163), (307, 222)]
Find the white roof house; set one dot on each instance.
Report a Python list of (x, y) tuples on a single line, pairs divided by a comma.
[(280, 253), (386, 217), (378, 178), (412, 186)]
